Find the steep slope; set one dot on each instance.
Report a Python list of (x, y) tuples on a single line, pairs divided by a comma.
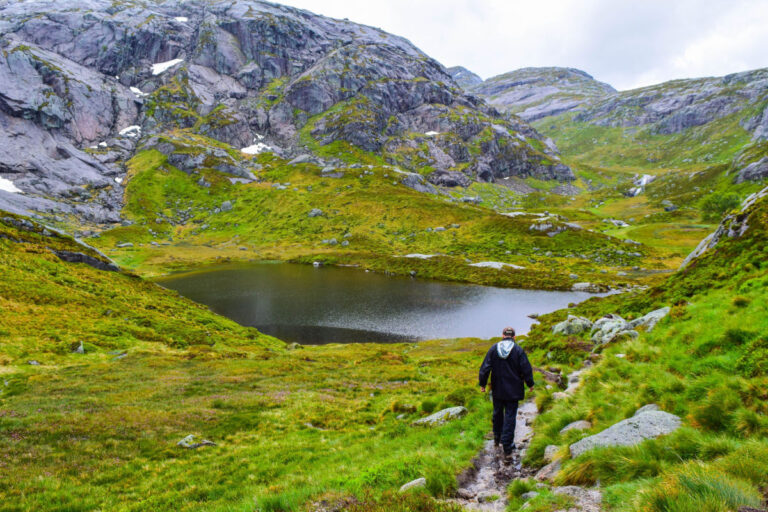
[(705, 361), (81, 85), (536, 93)]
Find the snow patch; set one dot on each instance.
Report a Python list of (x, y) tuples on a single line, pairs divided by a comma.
[(498, 265), (182, 19), (431, 134), (8, 186), (161, 67), (118, 180), (102, 144), (255, 149), (131, 131), (138, 92)]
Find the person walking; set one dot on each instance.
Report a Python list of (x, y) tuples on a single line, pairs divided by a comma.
[(509, 368)]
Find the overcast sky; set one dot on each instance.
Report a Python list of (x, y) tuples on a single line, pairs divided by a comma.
[(627, 43)]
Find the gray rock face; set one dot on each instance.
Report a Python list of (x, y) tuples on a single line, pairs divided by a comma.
[(535, 93), (572, 325), (81, 85), (464, 77), (441, 417), (629, 432), (673, 107)]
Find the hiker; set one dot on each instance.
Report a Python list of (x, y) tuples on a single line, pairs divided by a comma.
[(509, 368)]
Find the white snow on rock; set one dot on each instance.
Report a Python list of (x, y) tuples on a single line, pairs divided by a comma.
[(8, 186), (255, 149), (161, 67), (138, 92), (102, 144), (498, 265), (182, 19), (118, 180), (130, 131), (431, 134)]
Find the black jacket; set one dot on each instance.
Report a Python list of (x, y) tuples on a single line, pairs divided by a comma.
[(507, 375)]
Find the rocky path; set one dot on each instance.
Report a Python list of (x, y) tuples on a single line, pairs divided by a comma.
[(484, 487)]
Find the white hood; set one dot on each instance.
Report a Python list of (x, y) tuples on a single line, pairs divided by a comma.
[(504, 347)]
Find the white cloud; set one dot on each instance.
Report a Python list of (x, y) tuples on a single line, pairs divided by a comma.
[(627, 44)]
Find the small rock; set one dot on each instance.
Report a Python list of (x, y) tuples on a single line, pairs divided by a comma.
[(441, 417), (550, 451), (189, 442), (315, 212), (415, 484), (529, 495), (226, 206), (80, 349), (465, 494), (548, 472), (33, 362)]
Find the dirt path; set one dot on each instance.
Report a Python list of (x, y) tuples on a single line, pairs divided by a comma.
[(484, 487)]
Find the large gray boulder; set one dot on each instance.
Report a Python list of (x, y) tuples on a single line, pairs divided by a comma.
[(629, 432), (572, 325), (441, 417), (649, 320)]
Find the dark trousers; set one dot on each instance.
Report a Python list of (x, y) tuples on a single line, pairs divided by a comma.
[(504, 421)]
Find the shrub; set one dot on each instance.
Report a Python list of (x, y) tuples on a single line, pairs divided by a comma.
[(714, 206), (460, 396), (740, 302), (429, 405), (716, 410)]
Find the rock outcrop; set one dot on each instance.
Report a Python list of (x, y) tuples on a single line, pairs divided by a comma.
[(732, 226), (82, 85), (442, 416)]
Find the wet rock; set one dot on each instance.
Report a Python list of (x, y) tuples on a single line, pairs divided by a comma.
[(441, 417), (415, 484), (576, 425), (572, 325), (629, 432), (548, 472), (550, 451)]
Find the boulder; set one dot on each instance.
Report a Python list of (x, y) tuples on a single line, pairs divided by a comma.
[(576, 425), (441, 417), (646, 408), (572, 325), (650, 320), (414, 484), (629, 432), (606, 328)]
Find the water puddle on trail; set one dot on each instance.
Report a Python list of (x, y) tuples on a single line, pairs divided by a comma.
[(484, 486)]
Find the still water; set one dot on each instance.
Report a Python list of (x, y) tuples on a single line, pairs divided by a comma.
[(339, 305)]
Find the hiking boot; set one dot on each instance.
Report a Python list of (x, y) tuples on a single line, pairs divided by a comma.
[(496, 442)]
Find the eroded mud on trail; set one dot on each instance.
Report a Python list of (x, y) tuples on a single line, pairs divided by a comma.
[(484, 486)]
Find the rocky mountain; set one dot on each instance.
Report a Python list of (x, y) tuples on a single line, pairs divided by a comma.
[(464, 77), (675, 106), (84, 84), (535, 93)]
